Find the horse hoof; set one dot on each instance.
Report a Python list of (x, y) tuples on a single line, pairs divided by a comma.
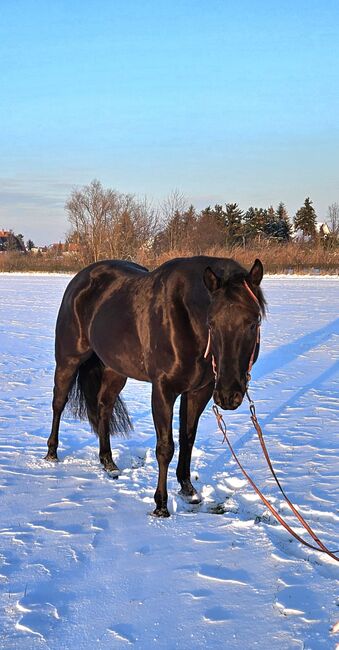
[(160, 512), (188, 492), (193, 499), (51, 457), (112, 470)]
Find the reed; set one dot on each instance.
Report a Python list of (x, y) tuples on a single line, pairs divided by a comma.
[(288, 258)]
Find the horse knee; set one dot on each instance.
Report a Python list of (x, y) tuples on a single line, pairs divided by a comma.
[(165, 451)]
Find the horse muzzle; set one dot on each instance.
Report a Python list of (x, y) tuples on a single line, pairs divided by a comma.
[(228, 400)]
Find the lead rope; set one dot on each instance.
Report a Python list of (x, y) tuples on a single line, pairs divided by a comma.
[(321, 547), (269, 463), (222, 426)]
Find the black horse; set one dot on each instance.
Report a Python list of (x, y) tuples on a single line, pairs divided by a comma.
[(118, 320)]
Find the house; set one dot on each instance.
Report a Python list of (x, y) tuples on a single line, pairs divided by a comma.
[(65, 248), (11, 242), (73, 248), (323, 230)]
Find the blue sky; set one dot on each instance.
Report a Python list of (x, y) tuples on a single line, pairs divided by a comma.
[(225, 101)]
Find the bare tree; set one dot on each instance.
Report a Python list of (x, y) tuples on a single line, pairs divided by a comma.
[(88, 213), (106, 223), (333, 218), (172, 209)]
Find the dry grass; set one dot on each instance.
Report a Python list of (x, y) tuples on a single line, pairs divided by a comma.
[(287, 258), (16, 262)]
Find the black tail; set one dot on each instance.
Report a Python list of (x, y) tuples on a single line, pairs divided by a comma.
[(83, 398)]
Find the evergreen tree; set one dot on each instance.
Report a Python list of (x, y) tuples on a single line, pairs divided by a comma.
[(248, 229), (255, 223), (219, 215), (261, 219), (271, 213), (281, 212), (206, 212), (284, 224), (189, 218), (271, 222), (233, 216), (278, 225), (306, 218)]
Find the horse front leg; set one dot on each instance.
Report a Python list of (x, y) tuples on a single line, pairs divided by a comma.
[(192, 405), (163, 399)]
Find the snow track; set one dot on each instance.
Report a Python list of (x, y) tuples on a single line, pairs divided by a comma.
[(82, 564)]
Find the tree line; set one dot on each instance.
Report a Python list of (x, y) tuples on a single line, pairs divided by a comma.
[(105, 223)]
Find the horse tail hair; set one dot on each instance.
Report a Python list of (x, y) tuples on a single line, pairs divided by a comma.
[(83, 398)]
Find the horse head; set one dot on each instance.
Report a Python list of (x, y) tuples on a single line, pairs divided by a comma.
[(234, 316)]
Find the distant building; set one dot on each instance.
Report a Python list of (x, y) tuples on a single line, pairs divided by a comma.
[(323, 229), (10, 242), (57, 249), (73, 248), (65, 248)]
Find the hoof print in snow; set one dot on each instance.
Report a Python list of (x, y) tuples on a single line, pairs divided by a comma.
[(216, 615), (138, 461), (266, 519), (217, 509), (124, 632)]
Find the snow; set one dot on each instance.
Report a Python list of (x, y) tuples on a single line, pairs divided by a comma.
[(82, 564)]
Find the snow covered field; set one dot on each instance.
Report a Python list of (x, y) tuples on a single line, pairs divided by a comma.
[(83, 565)]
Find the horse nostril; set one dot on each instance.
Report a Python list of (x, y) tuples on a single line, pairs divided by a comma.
[(236, 399), (227, 400)]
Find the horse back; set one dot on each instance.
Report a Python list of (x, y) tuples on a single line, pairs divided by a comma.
[(83, 297)]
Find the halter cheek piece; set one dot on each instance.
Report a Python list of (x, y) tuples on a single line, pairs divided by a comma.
[(257, 341), (256, 345)]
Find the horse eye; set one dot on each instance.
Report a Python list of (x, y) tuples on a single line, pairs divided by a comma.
[(253, 326)]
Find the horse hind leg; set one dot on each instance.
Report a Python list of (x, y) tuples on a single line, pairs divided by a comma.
[(63, 379), (112, 416)]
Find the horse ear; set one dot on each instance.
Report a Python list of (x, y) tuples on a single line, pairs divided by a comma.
[(211, 280), (256, 273)]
